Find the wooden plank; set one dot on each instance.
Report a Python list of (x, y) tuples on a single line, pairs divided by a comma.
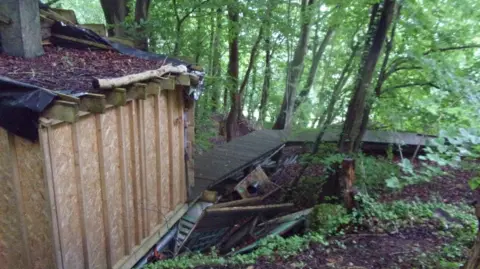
[(137, 91), (142, 156), (33, 193), (90, 174), (126, 218), (135, 171), (116, 97), (171, 137), (63, 111), (131, 178), (165, 160), (152, 196), (181, 147), (98, 28), (182, 80), (11, 243), (80, 196), (158, 158), (166, 83), (50, 197), (174, 120), (68, 14), (103, 188), (62, 158), (112, 174), (153, 88), (94, 103)]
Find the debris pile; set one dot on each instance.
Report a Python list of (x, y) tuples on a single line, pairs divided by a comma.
[(234, 220)]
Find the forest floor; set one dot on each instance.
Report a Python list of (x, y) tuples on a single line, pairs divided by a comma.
[(398, 235)]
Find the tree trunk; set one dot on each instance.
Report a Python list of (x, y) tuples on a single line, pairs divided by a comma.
[(382, 77), (216, 66), (357, 105), (231, 124), (251, 106), (284, 117), (474, 260), (141, 15), (262, 109), (317, 57), (115, 12)]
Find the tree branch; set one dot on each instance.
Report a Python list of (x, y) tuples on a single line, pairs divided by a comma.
[(472, 46), (193, 10), (413, 84)]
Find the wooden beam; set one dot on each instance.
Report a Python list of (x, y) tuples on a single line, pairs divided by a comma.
[(94, 103), (166, 84), (153, 88), (182, 80), (137, 91), (63, 111), (116, 97)]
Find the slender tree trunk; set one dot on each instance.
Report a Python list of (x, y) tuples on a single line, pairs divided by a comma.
[(284, 117), (141, 16), (216, 67), (317, 57), (251, 106), (115, 12), (356, 108), (231, 124), (381, 79), (266, 81)]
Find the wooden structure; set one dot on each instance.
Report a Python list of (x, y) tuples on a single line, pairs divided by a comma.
[(105, 181), (234, 157)]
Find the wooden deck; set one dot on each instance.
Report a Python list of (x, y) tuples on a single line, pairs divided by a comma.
[(229, 158)]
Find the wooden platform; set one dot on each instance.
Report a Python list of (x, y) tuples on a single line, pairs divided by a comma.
[(230, 158)]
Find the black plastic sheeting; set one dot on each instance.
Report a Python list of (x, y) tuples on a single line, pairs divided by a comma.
[(21, 104)]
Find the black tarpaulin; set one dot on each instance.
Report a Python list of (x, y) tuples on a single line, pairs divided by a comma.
[(21, 105)]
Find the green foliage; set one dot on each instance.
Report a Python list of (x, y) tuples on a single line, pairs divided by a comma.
[(372, 172), (326, 219)]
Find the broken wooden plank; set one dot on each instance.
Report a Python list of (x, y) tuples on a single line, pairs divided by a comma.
[(242, 202), (63, 111), (116, 97), (137, 91), (255, 183), (94, 103)]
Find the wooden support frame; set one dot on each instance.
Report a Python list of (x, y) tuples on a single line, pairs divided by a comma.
[(94, 103), (137, 91), (153, 88), (166, 84), (182, 80), (116, 97), (63, 111)]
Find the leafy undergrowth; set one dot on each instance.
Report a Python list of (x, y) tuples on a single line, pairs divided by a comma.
[(425, 224)]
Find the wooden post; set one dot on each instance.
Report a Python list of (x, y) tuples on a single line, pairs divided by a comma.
[(20, 30)]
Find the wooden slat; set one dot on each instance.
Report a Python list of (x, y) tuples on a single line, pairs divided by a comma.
[(63, 111), (94, 103), (116, 97), (137, 91)]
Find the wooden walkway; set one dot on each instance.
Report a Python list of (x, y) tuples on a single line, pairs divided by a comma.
[(229, 158)]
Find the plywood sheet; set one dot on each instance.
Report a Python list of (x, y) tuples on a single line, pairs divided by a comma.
[(174, 121), (165, 153), (181, 147), (151, 162), (134, 169), (62, 158), (130, 177), (36, 207), (91, 189), (11, 248), (109, 131)]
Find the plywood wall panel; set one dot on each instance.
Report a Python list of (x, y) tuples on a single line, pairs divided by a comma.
[(134, 168), (174, 121), (34, 195), (11, 245), (165, 153), (109, 132), (62, 160), (151, 162), (181, 146), (91, 189), (129, 180)]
